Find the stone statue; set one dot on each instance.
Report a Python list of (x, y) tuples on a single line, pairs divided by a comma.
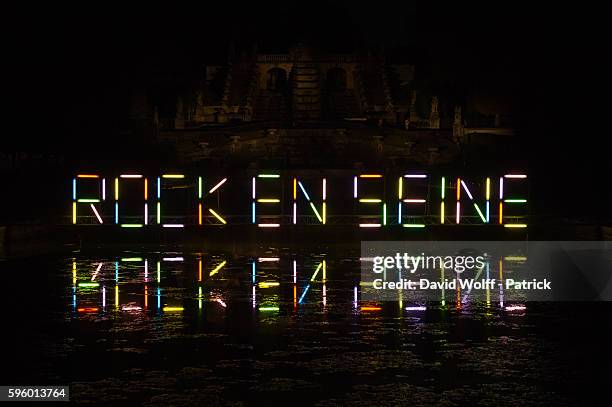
[(457, 119), (179, 119), (198, 107), (434, 105), (180, 110), (412, 115), (457, 125), (434, 116)]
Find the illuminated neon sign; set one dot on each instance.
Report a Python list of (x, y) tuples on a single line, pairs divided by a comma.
[(410, 200)]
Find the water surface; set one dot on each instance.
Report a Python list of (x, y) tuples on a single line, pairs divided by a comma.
[(283, 327)]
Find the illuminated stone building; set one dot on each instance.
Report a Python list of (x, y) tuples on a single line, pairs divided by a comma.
[(279, 105)]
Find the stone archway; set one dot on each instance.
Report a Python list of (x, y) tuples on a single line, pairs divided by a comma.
[(336, 79), (276, 80)]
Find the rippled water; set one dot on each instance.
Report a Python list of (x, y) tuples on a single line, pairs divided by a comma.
[(181, 327)]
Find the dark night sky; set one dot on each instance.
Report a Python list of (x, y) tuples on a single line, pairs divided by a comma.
[(84, 67)]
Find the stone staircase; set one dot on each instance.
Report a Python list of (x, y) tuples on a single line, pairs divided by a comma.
[(340, 104), (237, 93), (306, 91), (270, 105), (375, 87)]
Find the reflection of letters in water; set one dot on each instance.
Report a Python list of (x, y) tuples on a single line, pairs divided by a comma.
[(169, 282), (173, 283), (272, 199)]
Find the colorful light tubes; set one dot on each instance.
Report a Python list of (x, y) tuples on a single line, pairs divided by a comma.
[(369, 309), (268, 309), (88, 309), (213, 189), (268, 284), (89, 285), (216, 269), (173, 309), (463, 215)]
